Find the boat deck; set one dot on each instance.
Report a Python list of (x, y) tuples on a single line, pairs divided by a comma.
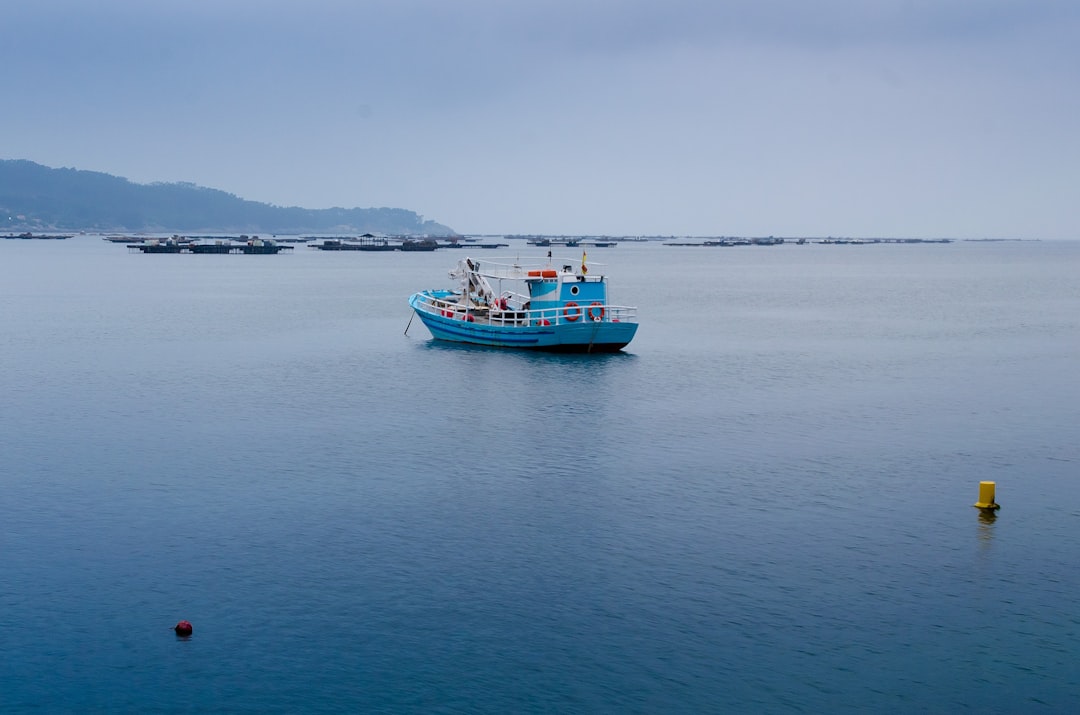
[(485, 315)]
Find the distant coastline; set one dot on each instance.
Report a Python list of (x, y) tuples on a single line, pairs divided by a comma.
[(39, 199)]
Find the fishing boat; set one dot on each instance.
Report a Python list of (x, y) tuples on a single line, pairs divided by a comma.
[(560, 308)]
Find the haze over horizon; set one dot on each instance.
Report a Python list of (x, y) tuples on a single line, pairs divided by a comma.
[(913, 118)]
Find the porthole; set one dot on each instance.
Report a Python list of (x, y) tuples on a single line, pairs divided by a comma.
[(574, 290)]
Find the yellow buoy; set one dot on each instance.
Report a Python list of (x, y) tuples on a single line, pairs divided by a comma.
[(986, 497)]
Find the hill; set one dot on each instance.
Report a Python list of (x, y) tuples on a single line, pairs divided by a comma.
[(35, 197)]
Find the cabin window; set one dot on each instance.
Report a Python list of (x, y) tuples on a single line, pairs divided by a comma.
[(574, 290)]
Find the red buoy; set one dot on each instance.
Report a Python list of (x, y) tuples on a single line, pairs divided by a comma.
[(183, 628)]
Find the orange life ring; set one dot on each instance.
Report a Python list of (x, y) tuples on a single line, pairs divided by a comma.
[(574, 315), (593, 316)]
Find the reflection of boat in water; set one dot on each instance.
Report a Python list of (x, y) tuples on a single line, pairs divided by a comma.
[(532, 307)]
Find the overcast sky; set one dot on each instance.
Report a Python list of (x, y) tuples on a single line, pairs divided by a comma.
[(676, 117)]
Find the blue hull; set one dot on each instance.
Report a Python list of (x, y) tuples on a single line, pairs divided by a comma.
[(582, 336)]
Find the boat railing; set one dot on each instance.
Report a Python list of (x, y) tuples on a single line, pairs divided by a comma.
[(512, 317), (605, 313)]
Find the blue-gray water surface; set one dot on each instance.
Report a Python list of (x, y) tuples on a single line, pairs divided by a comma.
[(763, 505)]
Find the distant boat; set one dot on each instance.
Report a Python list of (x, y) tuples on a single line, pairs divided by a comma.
[(539, 307)]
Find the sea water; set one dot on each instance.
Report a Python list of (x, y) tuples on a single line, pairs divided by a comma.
[(764, 504)]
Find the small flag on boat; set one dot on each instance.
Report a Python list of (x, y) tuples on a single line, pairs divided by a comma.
[(584, 268)]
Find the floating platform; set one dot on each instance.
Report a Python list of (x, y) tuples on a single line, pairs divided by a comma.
[(378, 244), (340, 244), (40, 236), (219, 248), (570, 242)]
